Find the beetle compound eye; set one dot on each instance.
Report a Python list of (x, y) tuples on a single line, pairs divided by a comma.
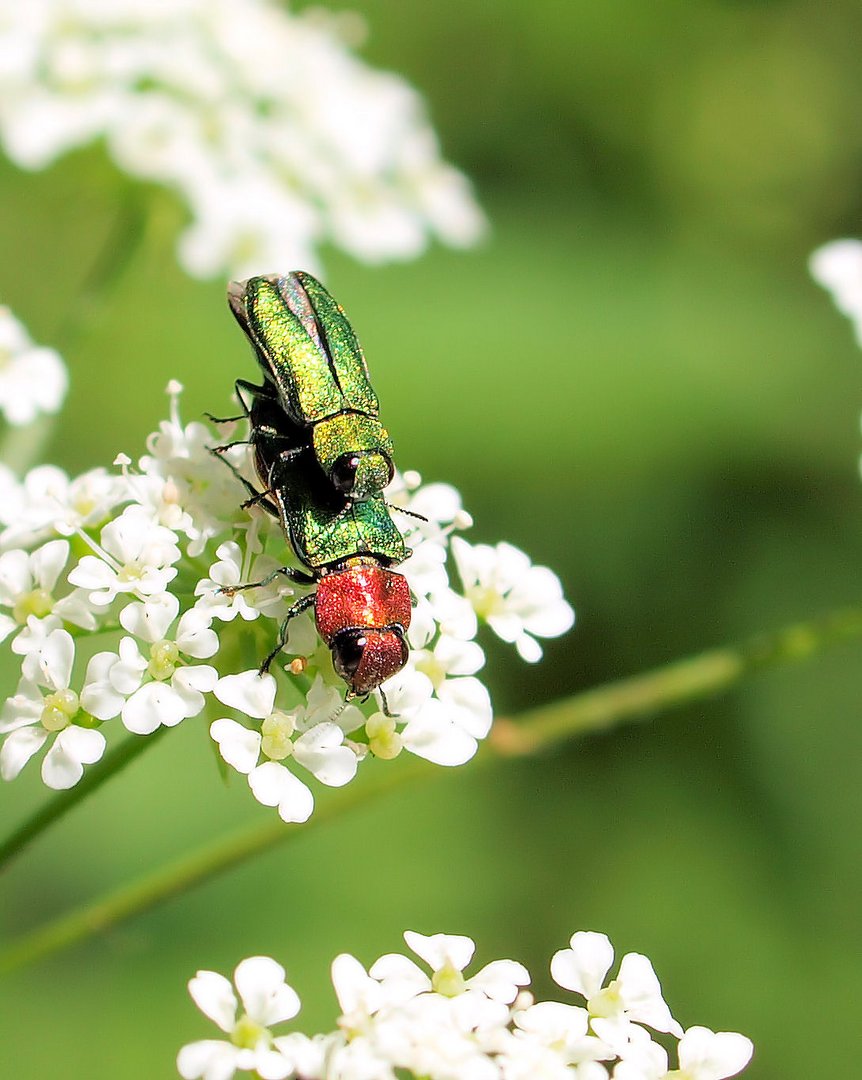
[(343, 473), (347, 651)]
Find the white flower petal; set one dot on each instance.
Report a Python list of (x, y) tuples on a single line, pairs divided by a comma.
[(264, 993), (439, 950), (53, 660), (713, 1055), (583, 967), (18, 748), (73, 748), (209, 1059), (195, 637), (150, 620), (321, 751), (274, 785), (154, 704), (433, 735), (641, 993), (468, 705), (214, 996), (500, 980), (239, 746), (48, 561), (248, 692)]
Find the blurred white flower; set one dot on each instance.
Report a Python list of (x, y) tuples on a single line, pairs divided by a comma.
[(266, 1000), (633, 997), (398, 1022), (837, 266), (275, 135), (33, 380), (48, 504)]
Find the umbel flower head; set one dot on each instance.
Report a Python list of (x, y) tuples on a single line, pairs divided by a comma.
[(141, 555), (403, 1019), (275, 135)]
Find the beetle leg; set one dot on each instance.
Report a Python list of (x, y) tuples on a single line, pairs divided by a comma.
[(225, 419), (228, 446), (300, 606), (298, 576), (258, 497)]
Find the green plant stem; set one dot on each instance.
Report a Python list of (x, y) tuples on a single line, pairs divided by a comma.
[(190, 870), (637, 697), (64, 801), (672, 685)]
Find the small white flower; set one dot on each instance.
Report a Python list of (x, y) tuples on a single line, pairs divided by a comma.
[(31, 716), (310, 735), (32, 380), (266, 1000), (137, 557), (176, 688), (634, 996), (445, 728), (516, 599), (112, 678), (838, 268), (480, 997)]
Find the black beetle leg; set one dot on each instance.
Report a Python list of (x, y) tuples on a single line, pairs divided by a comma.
[(300, 606), (283, 571)]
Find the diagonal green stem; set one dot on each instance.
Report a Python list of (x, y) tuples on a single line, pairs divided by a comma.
[(672, 685), (64, 801), (637, 697), (190, 870)]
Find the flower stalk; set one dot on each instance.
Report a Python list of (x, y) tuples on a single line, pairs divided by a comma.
[(637, 697)]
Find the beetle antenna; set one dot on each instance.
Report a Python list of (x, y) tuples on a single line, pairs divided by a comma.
[(409, 513), (340, 708)]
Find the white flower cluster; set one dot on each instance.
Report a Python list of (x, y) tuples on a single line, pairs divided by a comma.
[(274, 134), (397, 1020), (143, 552), (33, 379), (837, 266)]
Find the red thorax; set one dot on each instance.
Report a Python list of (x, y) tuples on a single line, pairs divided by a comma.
[(363, 596)]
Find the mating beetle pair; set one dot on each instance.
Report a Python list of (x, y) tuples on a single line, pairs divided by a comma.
[(323, 457)]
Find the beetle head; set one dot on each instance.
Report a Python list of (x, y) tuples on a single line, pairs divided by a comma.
[(365, 657), (361, 474)]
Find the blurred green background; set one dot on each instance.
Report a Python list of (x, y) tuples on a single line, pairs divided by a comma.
[(635, 380)]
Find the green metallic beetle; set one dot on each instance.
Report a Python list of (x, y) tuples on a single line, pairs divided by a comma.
[(362, 606), (314, 366)]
